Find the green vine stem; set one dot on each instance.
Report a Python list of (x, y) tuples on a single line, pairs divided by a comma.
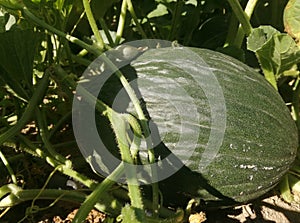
[(135, 19), (92, 49), (269, 75), (119, 125), (175, 19), (8, 167), (44, 133), (232, 31), (138, 135), (106, 198), (32, 207), (59, 123), (116, 120), (248, 11), (100, 106), (29, 111), (163, 211), (241, 16), (284, 188), (93, 24), (17, 195), (145, 128), (77, 22), (65, 169), (295, 103), (108, 112), (121, 23), (98, 192), (106, 31), (244, 19)]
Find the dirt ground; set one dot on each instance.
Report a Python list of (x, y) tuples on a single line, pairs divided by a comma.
[(270, 210)]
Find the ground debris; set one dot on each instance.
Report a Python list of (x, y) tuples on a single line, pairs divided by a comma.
[(93, 217), (269, 210), (197, 218)]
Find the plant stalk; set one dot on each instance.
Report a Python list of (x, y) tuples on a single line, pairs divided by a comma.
[(93, 198), (41, 120), (29, 111), (121, 23), (106, 31), (175, 19), (135, 19), (8, 167), (72, 39), (93, 24), (145, 128), (296, 103), (244, 18)]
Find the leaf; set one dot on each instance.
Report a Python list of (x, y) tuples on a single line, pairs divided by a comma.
[(3, 20), (159, 11), (259, 37), (17, 51), (291, 18), (276, 52)]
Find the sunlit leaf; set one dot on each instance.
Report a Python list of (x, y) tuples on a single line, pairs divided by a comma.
[(260, 36), (159, 11), (3, 20), (291, 18), (276, 52)]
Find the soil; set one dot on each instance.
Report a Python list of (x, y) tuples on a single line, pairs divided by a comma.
[(269, 210)]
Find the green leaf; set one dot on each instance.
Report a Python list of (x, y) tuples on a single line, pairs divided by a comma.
[(159, 11), (276, 52), (291, 18), (17, 50), (260, 36)]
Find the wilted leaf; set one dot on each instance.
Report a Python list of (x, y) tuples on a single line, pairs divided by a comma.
[(291, 18), (276, 52), (17, 50)]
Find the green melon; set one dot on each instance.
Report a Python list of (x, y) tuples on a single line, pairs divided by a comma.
[(246, 139), (223, 121)]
